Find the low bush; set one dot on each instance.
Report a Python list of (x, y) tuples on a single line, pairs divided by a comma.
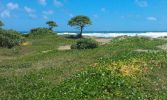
[(72, 36), (40, 31), (10, 38), (85, 44)]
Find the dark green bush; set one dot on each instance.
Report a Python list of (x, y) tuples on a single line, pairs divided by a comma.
[(40, 31), (85, 44), (10, 38)]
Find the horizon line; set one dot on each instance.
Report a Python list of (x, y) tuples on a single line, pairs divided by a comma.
[(102, 31)]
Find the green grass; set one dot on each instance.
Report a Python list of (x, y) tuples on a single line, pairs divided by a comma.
[(28, 73), (102, 82)]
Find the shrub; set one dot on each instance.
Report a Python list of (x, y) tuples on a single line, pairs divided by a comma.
[(40, 31), (85, 44), (10, 38), (72, 36)]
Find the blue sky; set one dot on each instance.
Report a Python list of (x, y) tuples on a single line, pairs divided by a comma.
[(106, 15)]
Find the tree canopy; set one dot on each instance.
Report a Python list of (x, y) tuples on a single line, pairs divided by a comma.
[(80, 22), (51, 24)]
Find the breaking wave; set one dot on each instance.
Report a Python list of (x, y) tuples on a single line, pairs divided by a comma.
[(116, 34)]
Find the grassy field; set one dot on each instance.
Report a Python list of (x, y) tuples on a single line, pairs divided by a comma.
[(131, 68)]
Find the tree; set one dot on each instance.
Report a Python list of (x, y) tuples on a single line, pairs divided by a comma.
[(80, 22), (51, 24), (1, 24)]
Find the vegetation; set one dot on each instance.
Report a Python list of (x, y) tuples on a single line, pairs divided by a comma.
[(51, 24), (10, 38), (123, 74), (85, 44), (125, 68), (40, 32), (80, 22), (112, 71), (1, 24)]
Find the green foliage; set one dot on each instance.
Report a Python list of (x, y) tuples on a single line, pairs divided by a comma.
[(1, 24), (136, 43), (95, 84), (10, 38), (102, 82), (40, 71), (40, 32), (51, 24), (85, 44), (79, 22)]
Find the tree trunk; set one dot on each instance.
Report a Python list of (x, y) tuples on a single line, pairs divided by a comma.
[(80, 35), (50, 28)]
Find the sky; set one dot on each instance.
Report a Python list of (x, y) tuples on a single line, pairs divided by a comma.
[(106, 15)]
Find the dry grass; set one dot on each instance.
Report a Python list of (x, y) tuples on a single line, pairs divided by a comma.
[(66, 47), (163, 47)]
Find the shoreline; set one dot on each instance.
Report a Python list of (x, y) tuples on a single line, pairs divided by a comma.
[(111, 35)]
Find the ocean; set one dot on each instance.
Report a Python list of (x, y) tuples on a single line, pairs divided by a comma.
[(107, 34)]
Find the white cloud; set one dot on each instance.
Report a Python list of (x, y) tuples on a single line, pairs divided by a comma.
[(57, 3), (152, 18), (42, 2), (103, 9), (32, 16), (123, 17), (12, 6), (5, 14), (45, 17), (49, 12), (95, 16), (1, 6), (29, 10), (71, 15), (130, 16), (141, 3)]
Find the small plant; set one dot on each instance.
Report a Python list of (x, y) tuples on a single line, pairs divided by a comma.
[(85, 44)]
